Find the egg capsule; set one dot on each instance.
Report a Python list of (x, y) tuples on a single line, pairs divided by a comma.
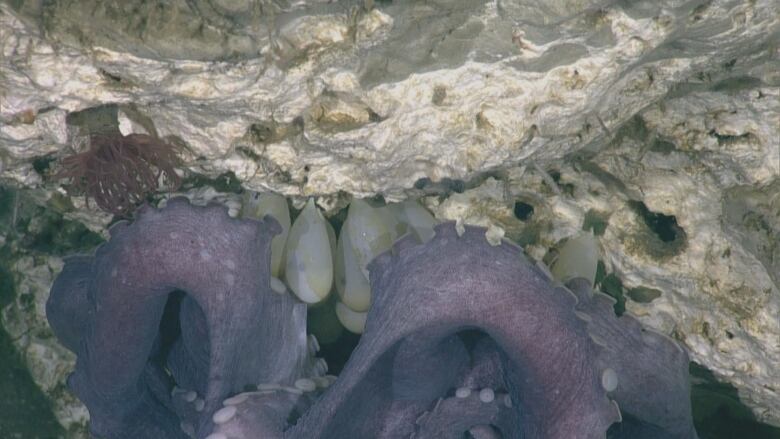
[(416, 218), (353, 321), (309, 265), (352, 286), (369, 233), (255, 205), (577, 258)]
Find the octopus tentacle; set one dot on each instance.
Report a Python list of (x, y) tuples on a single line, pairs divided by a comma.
[(452, 283), (221, 264), (461, 336)]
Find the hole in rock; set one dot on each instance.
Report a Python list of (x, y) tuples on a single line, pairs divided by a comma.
[(523, 211), (595, 221), (663, 226)]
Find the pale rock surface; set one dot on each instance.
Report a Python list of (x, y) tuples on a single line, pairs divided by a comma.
[(48, 362), (711, 160), (673, 104)]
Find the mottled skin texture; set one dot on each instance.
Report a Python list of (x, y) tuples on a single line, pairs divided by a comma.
[(235, 329), (453, 312)]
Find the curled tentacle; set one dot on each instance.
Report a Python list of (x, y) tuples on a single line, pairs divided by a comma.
[(235, 331)]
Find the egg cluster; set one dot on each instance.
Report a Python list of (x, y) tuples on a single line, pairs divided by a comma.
[(311, 261)]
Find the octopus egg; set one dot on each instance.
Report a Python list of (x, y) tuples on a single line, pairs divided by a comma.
[(351, 284), (369, 233), (578, 258), (259, 205), (353, 321), (309, 268), (416, 218)]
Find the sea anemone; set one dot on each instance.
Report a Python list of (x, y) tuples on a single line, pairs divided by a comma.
[(119, 171)]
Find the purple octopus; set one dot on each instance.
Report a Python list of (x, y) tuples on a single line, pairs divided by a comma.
[(463, 340)]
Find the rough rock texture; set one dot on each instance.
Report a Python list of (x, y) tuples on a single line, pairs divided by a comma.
[(712, 162), (32, 241), (593, 113), (48, 361), (365, 101)]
